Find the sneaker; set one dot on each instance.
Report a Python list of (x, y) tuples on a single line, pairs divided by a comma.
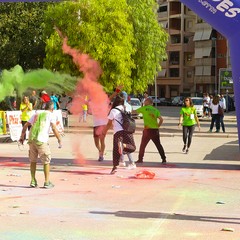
[(217, 131), (184, 149), (48, 185), (33, 183), (100, 159), (114, 170), (132, 166), (187, 151), (164, 161), (210, 130), (139, 161), (122, 164)]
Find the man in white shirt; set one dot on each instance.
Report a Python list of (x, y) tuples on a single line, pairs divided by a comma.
[(206, 105), (38, 142)]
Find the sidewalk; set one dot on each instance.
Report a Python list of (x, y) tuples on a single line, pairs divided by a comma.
[(195, 196)]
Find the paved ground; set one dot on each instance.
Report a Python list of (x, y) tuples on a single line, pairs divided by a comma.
[(195, 196)]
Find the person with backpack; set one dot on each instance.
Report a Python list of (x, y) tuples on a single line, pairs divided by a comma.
[(123, 141), (128, 109), (152, 121)]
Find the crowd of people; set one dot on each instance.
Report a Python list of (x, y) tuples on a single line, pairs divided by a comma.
[(123, 142)]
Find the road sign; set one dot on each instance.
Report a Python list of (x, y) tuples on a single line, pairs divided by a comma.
[(225, 78)]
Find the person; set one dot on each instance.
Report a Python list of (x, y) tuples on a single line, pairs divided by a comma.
[(63, 105), (99, 125), (215, 115), (206, 101), (210, 102), (26, 108), (152, 121), (38, 142), (122, 141), (63, 101), (34, 100), (145, 96), (84, 110), (54, 99), (44, 99), (188, 119), (223, 101), (128, 109)]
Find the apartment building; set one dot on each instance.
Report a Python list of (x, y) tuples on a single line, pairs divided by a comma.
[(195, 53)]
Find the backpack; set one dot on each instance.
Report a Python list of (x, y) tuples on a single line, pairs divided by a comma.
[(128, 123)]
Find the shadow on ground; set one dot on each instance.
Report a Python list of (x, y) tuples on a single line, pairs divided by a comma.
[(174, 216)]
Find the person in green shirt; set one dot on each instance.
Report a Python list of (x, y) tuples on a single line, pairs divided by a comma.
[(152, 121), (188, 119)]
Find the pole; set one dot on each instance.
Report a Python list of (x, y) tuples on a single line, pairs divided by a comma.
[(155, 80)]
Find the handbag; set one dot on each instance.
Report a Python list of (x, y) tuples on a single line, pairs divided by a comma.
[(220, 110)]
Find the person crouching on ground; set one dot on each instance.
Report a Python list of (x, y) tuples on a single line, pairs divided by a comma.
[(122, 141), (38, 142), (188, 119), (152, 121)]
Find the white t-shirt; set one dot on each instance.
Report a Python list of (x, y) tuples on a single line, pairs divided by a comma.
[(215, 107), (43, 135), (206, 101), (116, 115)]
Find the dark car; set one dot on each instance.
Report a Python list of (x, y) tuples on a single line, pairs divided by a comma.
[(165, 102)]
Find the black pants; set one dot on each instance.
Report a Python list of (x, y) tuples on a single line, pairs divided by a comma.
[(222, 123), (215, 119), (125, 138), (154, 135), (187, 135)]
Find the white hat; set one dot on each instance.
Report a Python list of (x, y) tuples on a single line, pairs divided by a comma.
[(44, 92)]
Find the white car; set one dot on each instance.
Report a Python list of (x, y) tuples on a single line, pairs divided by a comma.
[(135, 103), (198, 104)]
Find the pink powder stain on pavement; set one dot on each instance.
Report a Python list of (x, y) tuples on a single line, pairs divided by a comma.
[(13, 164), (87, 86)]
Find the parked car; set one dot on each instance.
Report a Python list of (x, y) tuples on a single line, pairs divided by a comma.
[(198, 104), (135, 103), (155, 100), (177, 101), (165, 102)]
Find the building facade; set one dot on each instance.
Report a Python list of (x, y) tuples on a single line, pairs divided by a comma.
[(195, 53)]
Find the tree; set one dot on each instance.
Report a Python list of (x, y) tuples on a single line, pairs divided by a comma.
[(124, 36), (100, 28), (21, 35), (151, 42)]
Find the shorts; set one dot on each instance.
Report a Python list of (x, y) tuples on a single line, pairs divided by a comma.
[(42, 150), (98, 131)]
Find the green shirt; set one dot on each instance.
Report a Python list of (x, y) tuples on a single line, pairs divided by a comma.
[(150, 116), (189, 114)]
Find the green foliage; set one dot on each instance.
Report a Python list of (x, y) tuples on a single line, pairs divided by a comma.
[(99, 28), (21, 35), (151, 42)]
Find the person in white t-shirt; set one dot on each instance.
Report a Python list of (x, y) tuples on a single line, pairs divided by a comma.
[(206, 105), (38, 142), (128, 109), (122, 142)]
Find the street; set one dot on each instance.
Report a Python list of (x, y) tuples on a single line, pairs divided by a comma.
[(194, 196)]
